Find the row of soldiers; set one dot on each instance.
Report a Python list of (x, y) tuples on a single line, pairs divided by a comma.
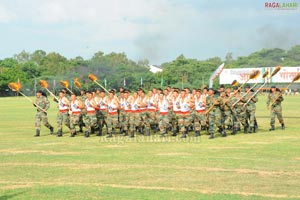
[(172, 109)]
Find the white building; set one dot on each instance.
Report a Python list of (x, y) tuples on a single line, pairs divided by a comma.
[(154, 69)]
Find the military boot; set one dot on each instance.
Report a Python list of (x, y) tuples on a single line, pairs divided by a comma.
[(51, 130), (174, 133), (37, 133), (234, 131), (80, 129), (251, 130), (99, 132), (183, 135), (111, 134), (223, 133), (59, 133), (254, 129), (87, 134), (245, 129), (282, 126), (197, 133), (125, 133), (132, 134), (73, 134), (148, 132), (272, 128)]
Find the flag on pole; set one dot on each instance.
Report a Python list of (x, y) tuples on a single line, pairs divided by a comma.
[(124, 83), (141, 81)]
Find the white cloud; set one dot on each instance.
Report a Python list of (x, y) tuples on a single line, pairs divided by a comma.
[(6, 15)]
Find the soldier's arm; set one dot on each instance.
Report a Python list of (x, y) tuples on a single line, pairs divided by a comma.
[(80, 104), (255, 99)]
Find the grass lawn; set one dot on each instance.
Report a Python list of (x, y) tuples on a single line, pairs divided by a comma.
[(264, 165)]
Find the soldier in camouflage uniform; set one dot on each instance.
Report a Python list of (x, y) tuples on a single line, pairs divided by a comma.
[(151, 117), (125, 112), (250, 108), (238, 111), (75, 107), (82, 98), (199, 114), (213, 107), (274, 101), (63, 113), (163, 107), (135, 119), (41, 115), (90, 118), (227, 113), (112, 113)]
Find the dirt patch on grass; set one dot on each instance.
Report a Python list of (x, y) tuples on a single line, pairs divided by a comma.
[(174, 154), (17, 186), (258, 142), (53, 143)]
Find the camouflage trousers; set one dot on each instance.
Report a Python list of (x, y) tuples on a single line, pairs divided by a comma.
[(135, 121), (214, 119), (41, 117), (184, 120), (90, 121), (174, 120), (124, 118), (163, 123), (62, 118), (143, 116), (74, 120), (101, 118), (199, 120), (227, 114), (239, 117), (250, 115), (112, 122), (150, 119), (276, 111)]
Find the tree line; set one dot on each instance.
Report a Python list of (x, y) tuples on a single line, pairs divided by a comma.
[(113, 68)]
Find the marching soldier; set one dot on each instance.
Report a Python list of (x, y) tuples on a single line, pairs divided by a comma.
[(163, 108), (184, 118), (63, 113), (112, 113), (103, 111), (125, 111), (276, 109), (41, 114), (250, 109), (199, 114), (134, 114), (82, 98), (151, 112), (75, 108), (175, 112), (213, 107), (90, 119)]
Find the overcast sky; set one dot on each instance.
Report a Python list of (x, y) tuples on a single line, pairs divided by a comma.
[(159, 30)]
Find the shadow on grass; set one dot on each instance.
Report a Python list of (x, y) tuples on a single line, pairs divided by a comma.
[(10, 196)]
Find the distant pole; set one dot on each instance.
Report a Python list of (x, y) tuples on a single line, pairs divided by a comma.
[(34, 86)]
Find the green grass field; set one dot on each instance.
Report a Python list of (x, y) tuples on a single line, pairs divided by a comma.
[(264, 165)]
